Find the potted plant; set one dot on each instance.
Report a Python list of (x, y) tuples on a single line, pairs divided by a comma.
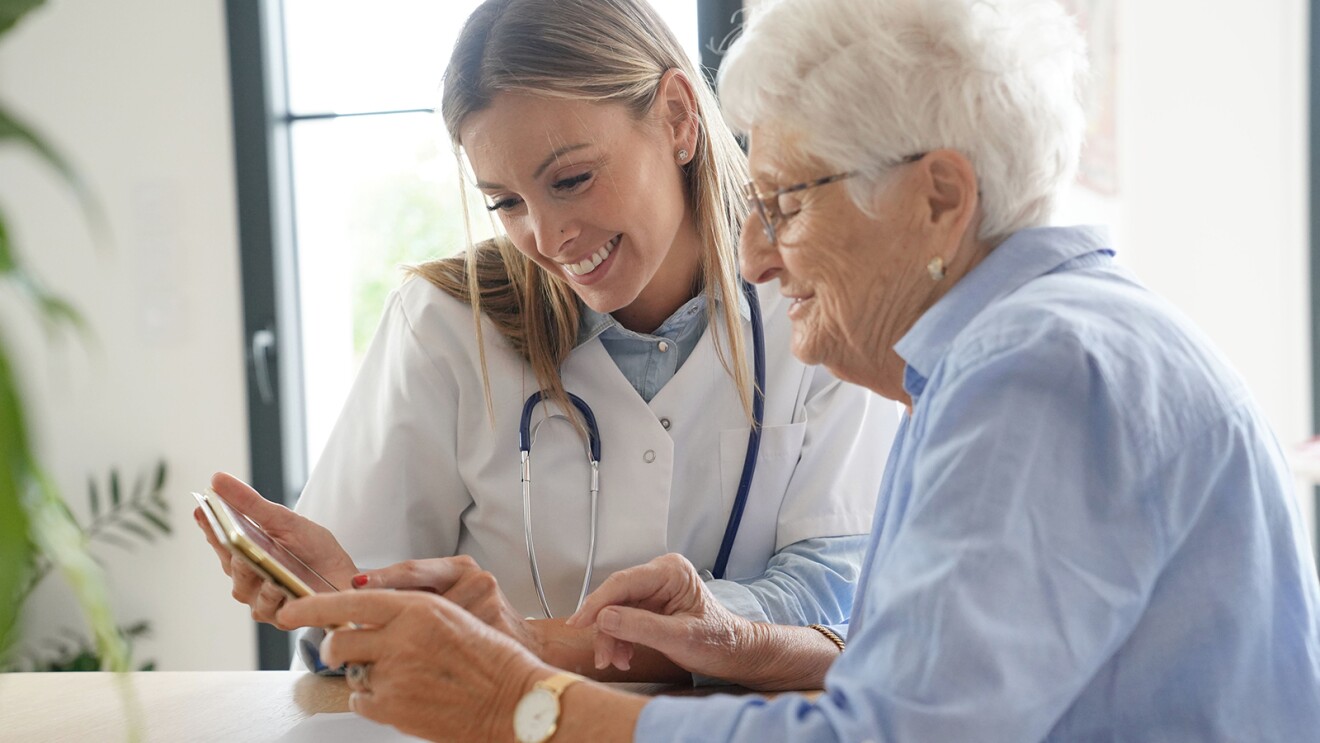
[(35, 523)]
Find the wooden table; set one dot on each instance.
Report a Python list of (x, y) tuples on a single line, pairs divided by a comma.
[(182, 706)]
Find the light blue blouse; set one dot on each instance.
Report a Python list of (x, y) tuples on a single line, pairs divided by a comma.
[(1087, 531)]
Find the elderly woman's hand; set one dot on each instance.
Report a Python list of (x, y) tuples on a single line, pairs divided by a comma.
[(311, 542), (665, 605), (432, 669), (461, 580)]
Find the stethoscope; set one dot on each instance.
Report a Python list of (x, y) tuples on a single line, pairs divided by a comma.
[(527, 435)]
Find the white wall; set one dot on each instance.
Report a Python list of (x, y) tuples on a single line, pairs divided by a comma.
[(1213, 155), (136, 94)]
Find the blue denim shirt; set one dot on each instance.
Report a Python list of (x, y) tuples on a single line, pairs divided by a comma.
[(1086, 531)]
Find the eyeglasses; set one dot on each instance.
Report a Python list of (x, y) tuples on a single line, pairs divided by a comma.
[(778, 205)]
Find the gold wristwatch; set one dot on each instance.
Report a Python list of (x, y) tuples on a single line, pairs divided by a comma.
[(536, 718)]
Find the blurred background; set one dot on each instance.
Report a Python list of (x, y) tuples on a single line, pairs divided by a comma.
[(265, 167)]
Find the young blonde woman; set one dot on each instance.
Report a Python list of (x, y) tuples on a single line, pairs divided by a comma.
[(598, 146)]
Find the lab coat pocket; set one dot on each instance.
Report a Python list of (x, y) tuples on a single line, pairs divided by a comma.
[(781, 447)]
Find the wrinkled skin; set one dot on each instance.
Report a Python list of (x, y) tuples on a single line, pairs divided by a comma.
[(435, 671), (462, 581), (665, 605), (861, 276)]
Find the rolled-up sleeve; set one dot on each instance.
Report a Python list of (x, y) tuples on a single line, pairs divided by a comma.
[(807, 582)]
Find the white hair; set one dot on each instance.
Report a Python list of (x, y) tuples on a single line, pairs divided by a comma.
[(866, 83)]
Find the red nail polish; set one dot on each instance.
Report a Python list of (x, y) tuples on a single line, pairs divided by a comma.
[(359, 581)]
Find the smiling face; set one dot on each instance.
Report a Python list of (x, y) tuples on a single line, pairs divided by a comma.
[(593, 195), (854, 278)]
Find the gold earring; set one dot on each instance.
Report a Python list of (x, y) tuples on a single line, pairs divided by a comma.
[(935, 268), (682, 157)]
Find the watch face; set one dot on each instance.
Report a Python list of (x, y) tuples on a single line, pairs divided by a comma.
[(535, 717)]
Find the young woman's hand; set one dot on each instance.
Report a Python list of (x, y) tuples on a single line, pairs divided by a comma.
[(311, 542), (460, 580)]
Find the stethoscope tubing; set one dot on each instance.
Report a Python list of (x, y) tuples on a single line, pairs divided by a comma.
[(525, 437), (753, 438)]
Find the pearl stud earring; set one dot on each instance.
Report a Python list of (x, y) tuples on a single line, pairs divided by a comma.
[(935, 268)]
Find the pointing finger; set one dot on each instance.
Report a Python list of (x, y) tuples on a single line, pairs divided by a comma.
[(438, 575), (375, 608)]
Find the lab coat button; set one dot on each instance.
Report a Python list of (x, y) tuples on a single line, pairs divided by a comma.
[(663, 346), (664, 423), (649, 456)]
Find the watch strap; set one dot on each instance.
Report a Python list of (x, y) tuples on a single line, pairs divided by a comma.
[(557, 683)]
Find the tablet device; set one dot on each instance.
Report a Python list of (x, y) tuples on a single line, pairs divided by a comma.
[(245, 538)]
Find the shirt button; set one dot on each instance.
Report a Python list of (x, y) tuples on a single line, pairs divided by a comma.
[(664, 423), (663, 346), (649, 456)]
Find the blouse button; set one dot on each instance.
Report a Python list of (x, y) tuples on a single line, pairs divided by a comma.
[(663, 346), (649, 456), (664, 423)]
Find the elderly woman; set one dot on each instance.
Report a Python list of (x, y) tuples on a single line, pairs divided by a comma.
[(1086, 529)]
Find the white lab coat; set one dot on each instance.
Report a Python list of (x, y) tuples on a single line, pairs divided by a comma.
[(414, 467)]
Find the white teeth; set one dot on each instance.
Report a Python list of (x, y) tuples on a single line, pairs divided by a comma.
[(589, 264)]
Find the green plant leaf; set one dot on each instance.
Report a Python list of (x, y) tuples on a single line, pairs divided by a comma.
[(114, 488), (16, 548), (12, 10), (52, 309), (65, 545), (115, 540), (137, 529), (158, 521), (7, 262), (159, 484), (93, 498), (13, 129)]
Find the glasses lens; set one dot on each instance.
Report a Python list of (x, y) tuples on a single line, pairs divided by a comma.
[(756, 204)]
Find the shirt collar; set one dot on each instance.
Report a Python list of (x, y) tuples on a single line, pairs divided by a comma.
[(592, 323), (1025, 255)]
